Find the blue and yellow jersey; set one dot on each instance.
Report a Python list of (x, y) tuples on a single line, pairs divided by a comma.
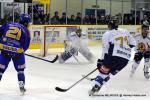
[(15, 38)]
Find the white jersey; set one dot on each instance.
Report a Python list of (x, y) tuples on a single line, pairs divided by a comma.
[(116, 43), (76, 41), (143, 44)]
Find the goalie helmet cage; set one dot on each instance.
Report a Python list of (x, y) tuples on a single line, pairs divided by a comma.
[(54, 34)]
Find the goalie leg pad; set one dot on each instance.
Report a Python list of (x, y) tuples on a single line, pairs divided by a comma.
[(67, 54), (87, 54)]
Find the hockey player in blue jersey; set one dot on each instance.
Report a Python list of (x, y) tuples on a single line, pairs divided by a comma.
[(14, 41)]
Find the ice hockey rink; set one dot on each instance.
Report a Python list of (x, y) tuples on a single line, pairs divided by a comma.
[(42, 78)]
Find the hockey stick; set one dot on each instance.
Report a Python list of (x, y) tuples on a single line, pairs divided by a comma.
[(74, 57), (52, 61), (88, 78), (64, 90)]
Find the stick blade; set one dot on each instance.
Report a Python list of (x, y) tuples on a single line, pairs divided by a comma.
[(60, 89), (55, 59)]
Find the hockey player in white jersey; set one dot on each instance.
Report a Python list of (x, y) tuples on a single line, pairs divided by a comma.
[(76, 42), (142, 51), (116, 52)]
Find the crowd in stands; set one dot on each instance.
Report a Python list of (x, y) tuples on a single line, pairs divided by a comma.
[(87, 20), (41, 18)]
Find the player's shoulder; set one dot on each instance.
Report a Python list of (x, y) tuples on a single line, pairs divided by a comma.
[(107, 33), (123, 30), (73, 33), (16, 25), (13, 24), (137, 35)]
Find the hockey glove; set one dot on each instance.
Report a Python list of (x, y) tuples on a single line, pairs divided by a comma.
[(138, 56), (99, 63), (147, 54)]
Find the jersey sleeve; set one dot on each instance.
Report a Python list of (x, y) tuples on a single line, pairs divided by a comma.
[(132, 41), (105, 44), (2, 28), (26, 39)]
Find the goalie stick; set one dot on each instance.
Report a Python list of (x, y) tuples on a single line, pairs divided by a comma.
[(51, 61), (64, 90)]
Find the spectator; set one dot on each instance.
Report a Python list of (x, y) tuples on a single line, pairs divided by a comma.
[(63, 18), (55, 18), (126, 21), (86, 20), (78, 18), (92, 19), (72, 20)]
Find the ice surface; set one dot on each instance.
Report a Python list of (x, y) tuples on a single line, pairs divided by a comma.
[(43, 77)]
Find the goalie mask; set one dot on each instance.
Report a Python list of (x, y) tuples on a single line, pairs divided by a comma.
[(78, 32)]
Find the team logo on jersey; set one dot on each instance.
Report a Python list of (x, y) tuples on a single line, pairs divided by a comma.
[(142, 47)]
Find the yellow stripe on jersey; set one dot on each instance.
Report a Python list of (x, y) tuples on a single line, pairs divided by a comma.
[(10, 48)]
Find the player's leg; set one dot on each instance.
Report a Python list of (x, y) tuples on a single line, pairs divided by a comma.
[(19, 64), (147, 65), (110, 66), (101, 78), (67, 54), (137, 59), (4, 61), (86, 53)]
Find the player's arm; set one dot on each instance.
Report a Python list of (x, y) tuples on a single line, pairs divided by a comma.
[(26, 40), (2, 30), (132, 41), (105, 44)]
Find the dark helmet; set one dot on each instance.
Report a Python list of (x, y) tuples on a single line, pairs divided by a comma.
[(145, 24), (113, 24), (25, 19), (145, 29)]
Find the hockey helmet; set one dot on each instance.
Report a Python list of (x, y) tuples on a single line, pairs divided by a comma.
[(113, 23), (25, 19), (145, 24), (145, 29)]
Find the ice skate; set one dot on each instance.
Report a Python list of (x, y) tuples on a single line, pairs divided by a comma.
[(146, 74), (22, 90), (95, 89)]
